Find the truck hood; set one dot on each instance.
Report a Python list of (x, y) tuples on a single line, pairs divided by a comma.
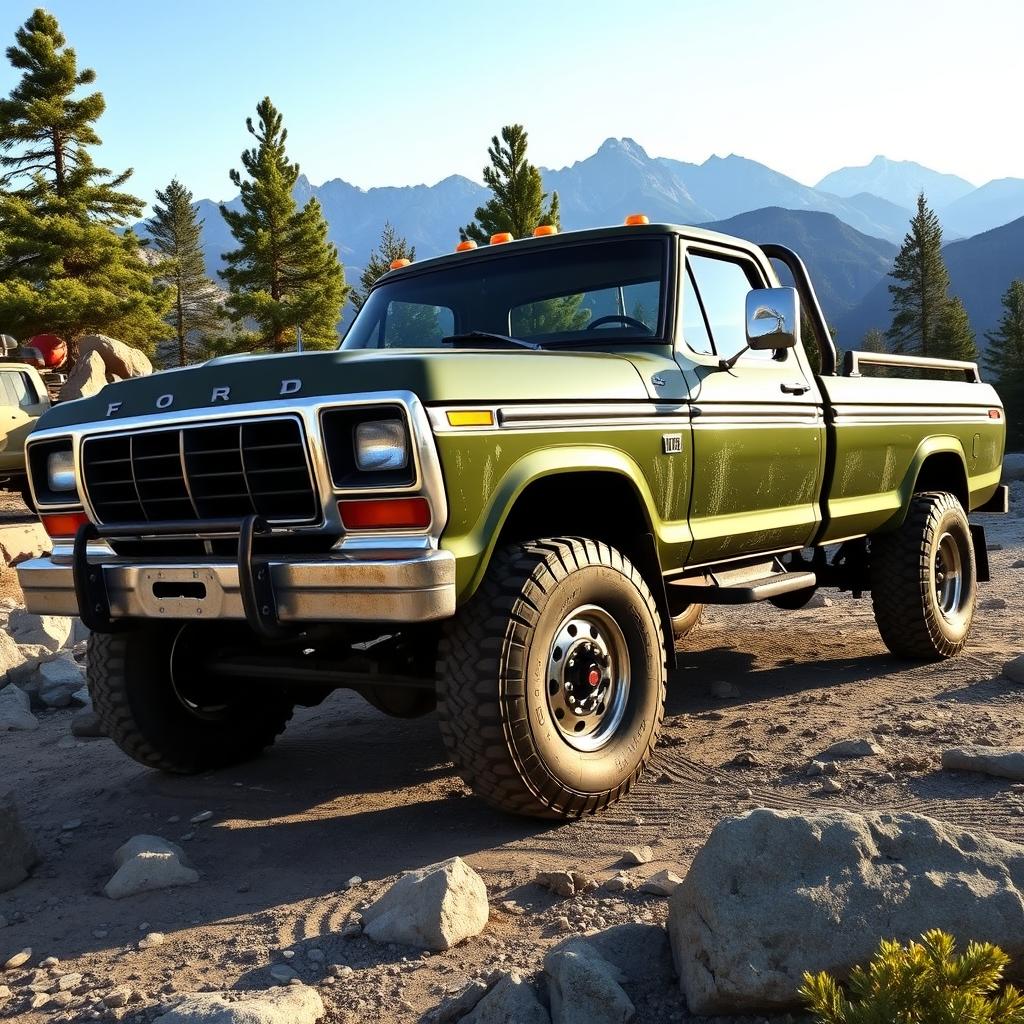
[(434, 376)]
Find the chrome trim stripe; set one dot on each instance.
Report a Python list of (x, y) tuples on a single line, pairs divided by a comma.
[(566, 414), (429, 480)]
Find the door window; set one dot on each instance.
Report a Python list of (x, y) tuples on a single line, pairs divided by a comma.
[(721, 288), (18, 390)]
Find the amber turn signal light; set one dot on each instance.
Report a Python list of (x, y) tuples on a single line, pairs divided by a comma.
[(994, 414), (466, 245), (544, 229), (61, 525), (470, 418), (385, 513), (638, 218), (501, 238), (398, 264)]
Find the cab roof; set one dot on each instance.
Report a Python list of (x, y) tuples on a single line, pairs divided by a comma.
[(520, 245)]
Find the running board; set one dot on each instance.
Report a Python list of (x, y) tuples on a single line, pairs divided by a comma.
[(743, 585)]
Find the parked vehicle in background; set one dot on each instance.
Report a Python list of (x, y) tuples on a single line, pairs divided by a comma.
[(524, 463), (23, 399)]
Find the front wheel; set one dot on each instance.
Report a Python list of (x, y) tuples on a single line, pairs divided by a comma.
[(159, 706), (551, 680), (924, 584)]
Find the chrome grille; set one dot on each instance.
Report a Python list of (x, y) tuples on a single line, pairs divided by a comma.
[(212, 471)]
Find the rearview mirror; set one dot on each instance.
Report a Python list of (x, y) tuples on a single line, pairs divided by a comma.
[(773, 318)]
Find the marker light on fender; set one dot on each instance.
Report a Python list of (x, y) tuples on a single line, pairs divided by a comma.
[(63, 525), (385, 513)]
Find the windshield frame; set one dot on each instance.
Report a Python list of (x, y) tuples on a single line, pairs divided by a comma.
[(602, 338)]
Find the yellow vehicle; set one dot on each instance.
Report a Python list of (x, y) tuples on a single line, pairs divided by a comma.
[(23, 399)]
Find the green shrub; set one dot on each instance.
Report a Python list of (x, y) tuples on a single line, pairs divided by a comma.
[(921, 983)]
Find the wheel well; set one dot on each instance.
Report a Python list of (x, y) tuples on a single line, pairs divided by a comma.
[(944, 471), (601, 505)]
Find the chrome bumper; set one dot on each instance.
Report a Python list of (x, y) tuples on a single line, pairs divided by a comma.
[(340, 588)]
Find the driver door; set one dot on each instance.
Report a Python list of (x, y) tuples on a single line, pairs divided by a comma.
[(758, 429)]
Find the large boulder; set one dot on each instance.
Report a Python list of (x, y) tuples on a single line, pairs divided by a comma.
[(584, 987), (432, 908), (747, 922), (50, 631), (17, 852), (59, 680), (20, 543), (510, 1001), (294, 1004), (16, 710), (88, 378), (1002, 762), (119, 360), (145, 863)]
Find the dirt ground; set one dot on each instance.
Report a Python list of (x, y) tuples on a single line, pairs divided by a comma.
[(348, 792)]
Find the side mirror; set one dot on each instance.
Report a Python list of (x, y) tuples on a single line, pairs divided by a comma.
[(7, 344), (773, 318)]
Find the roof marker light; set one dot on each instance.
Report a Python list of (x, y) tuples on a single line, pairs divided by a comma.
[(637, 218), (501, 238), (544, 229), (466, 245), (398, 264)]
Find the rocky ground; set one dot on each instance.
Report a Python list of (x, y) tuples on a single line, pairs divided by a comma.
[(289, 849)]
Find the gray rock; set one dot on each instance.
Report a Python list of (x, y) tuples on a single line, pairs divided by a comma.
[(432, 908), (638, 855), (50, 631), (59, 680), (89, 377), (20, 543), (459, 1004), (992, 604), (510, 1001), (1014, 669), (119, 360), (723, 690), (18, 960), (745, 926), (849, 749), (566, 883), (87, 725), (639, 952), (11, 656), (664, 883), (283, 974), (584, 987), (146, 863), (17, 851), (293, 1004), (15, 710), (1002, 762), (819, 600)]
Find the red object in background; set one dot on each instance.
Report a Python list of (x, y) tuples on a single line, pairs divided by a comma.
[(53, 349)]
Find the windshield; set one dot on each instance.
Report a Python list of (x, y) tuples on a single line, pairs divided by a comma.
[(591, 293)]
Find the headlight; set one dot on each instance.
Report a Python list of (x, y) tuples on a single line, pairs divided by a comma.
[(381, 446), (60, 472)]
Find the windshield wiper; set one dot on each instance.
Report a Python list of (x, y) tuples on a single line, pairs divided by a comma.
[(486, 339)]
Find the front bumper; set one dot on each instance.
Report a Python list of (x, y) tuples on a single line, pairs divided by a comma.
[(336, 588)]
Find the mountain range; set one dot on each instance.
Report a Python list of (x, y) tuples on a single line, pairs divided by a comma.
[(847, 227)]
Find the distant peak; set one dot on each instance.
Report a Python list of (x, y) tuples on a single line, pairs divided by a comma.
[(629, 146)]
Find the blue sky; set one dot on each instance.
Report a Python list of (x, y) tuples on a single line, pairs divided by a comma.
[(401, 92)]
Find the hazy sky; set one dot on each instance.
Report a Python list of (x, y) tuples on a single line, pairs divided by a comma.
[(408, 91)]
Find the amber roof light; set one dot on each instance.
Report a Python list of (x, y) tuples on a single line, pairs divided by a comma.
[(544, 229), (466, 245), (398, 264), (501, 238), (638, 218)]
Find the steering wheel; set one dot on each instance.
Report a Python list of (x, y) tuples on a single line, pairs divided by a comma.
[(619, 318)]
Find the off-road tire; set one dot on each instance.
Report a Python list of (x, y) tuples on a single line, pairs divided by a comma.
[(684, 622), (130, 684), (493, 669), (904, 583)]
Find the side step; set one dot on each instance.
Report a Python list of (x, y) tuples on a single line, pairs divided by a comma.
[(741, 585)]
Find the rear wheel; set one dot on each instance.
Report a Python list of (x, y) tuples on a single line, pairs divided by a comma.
[(924, 581), (685, 618), (154, 700), (551, 680)]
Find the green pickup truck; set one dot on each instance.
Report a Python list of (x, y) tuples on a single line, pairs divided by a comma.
[(507, 496)]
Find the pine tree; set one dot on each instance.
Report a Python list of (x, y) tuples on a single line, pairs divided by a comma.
[(1005, 356), (919, 295), (63, 266), (392, 246), (517, 203), (874, 341), (284, 273), (954, 336), (176, 234)]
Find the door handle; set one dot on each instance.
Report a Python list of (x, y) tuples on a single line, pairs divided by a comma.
[(795, 389)]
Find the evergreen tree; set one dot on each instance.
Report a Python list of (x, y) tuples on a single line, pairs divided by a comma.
[(391, 247), (1005, 356), (919, 296), (874, 341), (284, 272), (63, 267), (954, 336), (176, 234), (517, 203)]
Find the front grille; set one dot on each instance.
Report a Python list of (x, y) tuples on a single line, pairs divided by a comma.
[(216, 471)]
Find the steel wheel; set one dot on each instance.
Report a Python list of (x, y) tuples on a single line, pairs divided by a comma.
[(949, 576), (588, 678)]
